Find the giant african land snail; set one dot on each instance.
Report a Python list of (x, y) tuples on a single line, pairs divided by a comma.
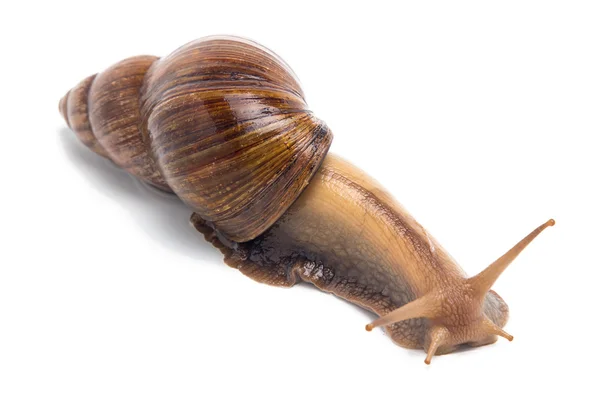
[(223, 124)]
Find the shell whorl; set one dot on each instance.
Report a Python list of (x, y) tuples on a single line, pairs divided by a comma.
[(222, 122)]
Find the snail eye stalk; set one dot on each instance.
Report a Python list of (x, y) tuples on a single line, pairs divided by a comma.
[(483, 281)]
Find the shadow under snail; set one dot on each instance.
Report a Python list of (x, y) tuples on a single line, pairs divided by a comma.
[(222, 123)]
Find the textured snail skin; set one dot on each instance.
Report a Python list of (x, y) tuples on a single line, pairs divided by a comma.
[(348, 236), (223, 124)]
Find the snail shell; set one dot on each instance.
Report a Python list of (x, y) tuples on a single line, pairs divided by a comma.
[(222, 122)]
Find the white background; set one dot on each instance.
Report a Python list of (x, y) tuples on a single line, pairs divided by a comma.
[(480, 117)]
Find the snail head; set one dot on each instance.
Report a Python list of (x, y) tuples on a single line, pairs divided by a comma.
[(455, 312)]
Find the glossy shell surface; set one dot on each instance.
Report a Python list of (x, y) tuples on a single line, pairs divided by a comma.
[(221, 122)]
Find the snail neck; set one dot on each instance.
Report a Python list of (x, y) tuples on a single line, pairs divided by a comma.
[(346, 215)]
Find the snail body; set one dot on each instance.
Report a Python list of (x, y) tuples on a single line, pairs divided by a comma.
[(348, 236), (223, 124)]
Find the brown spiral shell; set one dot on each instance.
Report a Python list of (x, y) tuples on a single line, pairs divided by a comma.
[(222, 122)]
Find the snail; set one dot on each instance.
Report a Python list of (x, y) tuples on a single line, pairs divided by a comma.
[(222, 123)]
